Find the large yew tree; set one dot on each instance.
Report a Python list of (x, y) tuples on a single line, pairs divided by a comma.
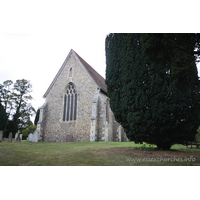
[(153, 86)]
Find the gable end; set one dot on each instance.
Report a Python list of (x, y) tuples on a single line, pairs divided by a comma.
[(96, 78)]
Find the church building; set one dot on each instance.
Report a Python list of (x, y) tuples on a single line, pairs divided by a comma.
[(77, 107)]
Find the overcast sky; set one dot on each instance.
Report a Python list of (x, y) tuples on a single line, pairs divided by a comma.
[(36, 36), (38, 57)]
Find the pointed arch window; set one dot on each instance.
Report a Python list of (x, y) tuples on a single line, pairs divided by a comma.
[(70, 103), (70, 72)]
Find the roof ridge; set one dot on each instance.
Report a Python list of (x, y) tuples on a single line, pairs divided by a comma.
[(98, 80), (88, 64), (96, 77)]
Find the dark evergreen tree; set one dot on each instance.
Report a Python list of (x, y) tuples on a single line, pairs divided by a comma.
[(152, 84), (3, 118), (37, 117), (11, 127)]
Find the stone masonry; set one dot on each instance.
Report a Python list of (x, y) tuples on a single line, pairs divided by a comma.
[(94, 121)]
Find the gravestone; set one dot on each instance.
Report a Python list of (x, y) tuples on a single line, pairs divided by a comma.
[(92, 138), (35, 136), (16, 135), (18, 138), (30, 137), (69, 138), (1, 136), (10, 137)]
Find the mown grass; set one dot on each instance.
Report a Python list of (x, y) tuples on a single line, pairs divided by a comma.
[(27, 153)]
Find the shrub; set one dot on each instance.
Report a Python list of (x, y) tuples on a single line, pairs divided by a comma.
[(26, 132), (197, 136)]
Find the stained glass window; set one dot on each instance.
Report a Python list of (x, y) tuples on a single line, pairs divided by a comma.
[(75, 106), (72, 101), (68, 107)]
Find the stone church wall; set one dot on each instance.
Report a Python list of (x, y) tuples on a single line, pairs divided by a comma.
[(53, 126), (107, 129), (95, 120)]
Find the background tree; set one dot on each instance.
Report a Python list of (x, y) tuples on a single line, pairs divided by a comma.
[(153, 86), (16, 101), (37, 117), (7, 96), (12, 127), (23, 108)]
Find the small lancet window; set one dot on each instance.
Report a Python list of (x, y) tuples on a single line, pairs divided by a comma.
[(70, 72), (70, 104)]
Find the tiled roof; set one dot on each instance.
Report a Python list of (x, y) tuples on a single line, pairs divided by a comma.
[(95, 76)]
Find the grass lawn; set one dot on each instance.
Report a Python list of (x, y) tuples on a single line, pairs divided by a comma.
[(27, 153)]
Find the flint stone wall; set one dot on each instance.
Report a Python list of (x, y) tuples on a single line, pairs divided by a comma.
[(51, 125), (107, 129)]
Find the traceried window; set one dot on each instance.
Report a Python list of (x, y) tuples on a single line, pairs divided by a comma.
[(70, 103)]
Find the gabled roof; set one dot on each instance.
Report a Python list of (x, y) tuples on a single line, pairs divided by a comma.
[(96, 78)]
